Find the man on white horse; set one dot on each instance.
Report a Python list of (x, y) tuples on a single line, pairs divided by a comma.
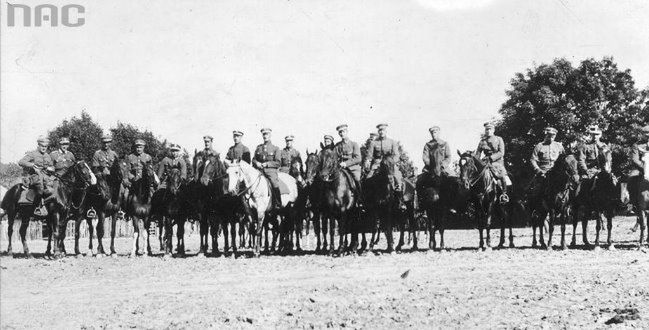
[(267, 159)]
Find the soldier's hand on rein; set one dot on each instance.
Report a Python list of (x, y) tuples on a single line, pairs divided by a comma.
[(343, 165)]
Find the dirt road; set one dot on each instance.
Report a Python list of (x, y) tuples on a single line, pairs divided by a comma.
[(460, 288)]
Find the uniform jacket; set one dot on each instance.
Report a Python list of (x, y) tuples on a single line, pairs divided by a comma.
[(349, 152), (638, 151), (135, 164), (32, 158), (286, 158), (493, 147), (545, 154), (167, 164), (592, 156), (379, 148), (62, 160), (270, 154), (103, 159), (238, 152), (437, 157)]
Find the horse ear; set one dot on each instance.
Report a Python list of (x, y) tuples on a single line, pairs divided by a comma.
[(458, 152), (307, 151)]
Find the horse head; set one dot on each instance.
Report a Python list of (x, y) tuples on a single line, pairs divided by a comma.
[(468, 168), (209, 170), (82, 174), (296, 171), (329, 165), (174, 180), (312, 165)]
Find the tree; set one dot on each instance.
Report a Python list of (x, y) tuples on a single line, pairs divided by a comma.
[(10, 174), (83, 133), (124, 136), (570, 99)]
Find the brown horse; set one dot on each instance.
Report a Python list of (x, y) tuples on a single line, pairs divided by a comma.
[(478, 178), (641, 200), (138, 207), (381, 201), (313, 192), (167, 208)]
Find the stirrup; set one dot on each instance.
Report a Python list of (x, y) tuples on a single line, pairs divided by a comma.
[(121, 214), (40, 211), (91, 213), (504, 198)]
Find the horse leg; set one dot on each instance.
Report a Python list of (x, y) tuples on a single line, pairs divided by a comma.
[(100, 232), (488, 248), (180, 236), (57, 224), (325, 231), (233, 237), (642, 221), (584, 228), (147, 224), (481, 246), (430, 223), (401, 233), (136, 236), (317, 231), (77, 233), (342, 234), (113, 230), (534, 241), (552, 219), (332, 233), (11, 217), (609, 228), (162, 223), (563, 230), (297, 228), (214, 231), (598, 227)]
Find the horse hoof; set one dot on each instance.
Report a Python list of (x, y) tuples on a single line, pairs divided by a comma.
[(548, 247), (596, 248), (611, 247), (535, 244), (167, 256), (99, 255), (488, 249), (132, 255), (564, 247), (29, 255), (501, 246)]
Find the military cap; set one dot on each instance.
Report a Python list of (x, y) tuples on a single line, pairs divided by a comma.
[(265, 130), (489, 125), (594, 130), (43, 141), (237, 133), (382, 125), (341, 127), (645, 129), (550, 130), (373, 134), (140, 142), (106, 138), (208, 137), (64, 141), (434, 129), (174, 147), (289, 138), (329, 137)]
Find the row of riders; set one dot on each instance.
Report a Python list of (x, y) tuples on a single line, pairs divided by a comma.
[(271, 189)]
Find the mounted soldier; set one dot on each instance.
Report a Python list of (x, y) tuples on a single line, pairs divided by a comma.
[(327, 142), (544, 155), (380, 148), (37, 166), (238, 151), (176, 161), (135, 163), (639, 159), (288, 155), (592, 156), (62, 158), (202, 156), (349, 153), (436, 155), (492, 147), (267, 159), (104, 158)]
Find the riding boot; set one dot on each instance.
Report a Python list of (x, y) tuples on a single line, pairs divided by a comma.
[(359, 194), (277, 199), (504, 198)]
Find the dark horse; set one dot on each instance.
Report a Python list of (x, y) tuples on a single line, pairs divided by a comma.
[(555, 198), (597, 196), (406, 218), (168, 206), (138, 206), (313, 193), (106, 198), (642, 201), (201, 198), (68, 192), (338, 200), (381, 201), (479, 179)]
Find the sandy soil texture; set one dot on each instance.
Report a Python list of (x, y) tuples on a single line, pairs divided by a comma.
[(458, 288)]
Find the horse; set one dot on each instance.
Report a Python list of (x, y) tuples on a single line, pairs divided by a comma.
[(292, 224), (381, 201), (642, 200), (478, 178), (338, 198), (106, 199), (201, 200), (560, 184), (246, 181), (437, 197), (407, 220), (138, 207), (313, 193), (167, 206), (595, 197)]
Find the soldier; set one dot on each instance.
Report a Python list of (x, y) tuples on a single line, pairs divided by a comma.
[(493, 148), (203, 155), (238, 151), (543, 157), (62, 158), (267, 160), (436, 155), (327, 142), (380, 148), (136, 161), (104, 158), (36, 164), (350, 155), (593, 154), (176, 161), (288, 155), (638, 159)]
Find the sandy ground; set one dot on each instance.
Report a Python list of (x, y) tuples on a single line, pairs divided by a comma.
[(459, 288)]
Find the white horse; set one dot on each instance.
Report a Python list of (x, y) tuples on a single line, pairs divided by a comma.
[(245, 180), (3, 192)]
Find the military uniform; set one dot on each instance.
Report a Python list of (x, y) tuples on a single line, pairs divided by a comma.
[(102, 161), (349, 152), (380, 148), (592, 157), (271, 155), (238, 152), (437, 157), (544, 156), (493, 148), (287, 156), (168, 164), (637, 174), (37, 180), (62, 160), (135, 164)]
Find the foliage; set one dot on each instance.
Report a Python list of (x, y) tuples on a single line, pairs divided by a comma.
[(10, 174), (83, 133), (124, 136), (569, 99), (405, 164)]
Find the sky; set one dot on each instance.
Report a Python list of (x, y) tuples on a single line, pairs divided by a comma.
[(186, 68)]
